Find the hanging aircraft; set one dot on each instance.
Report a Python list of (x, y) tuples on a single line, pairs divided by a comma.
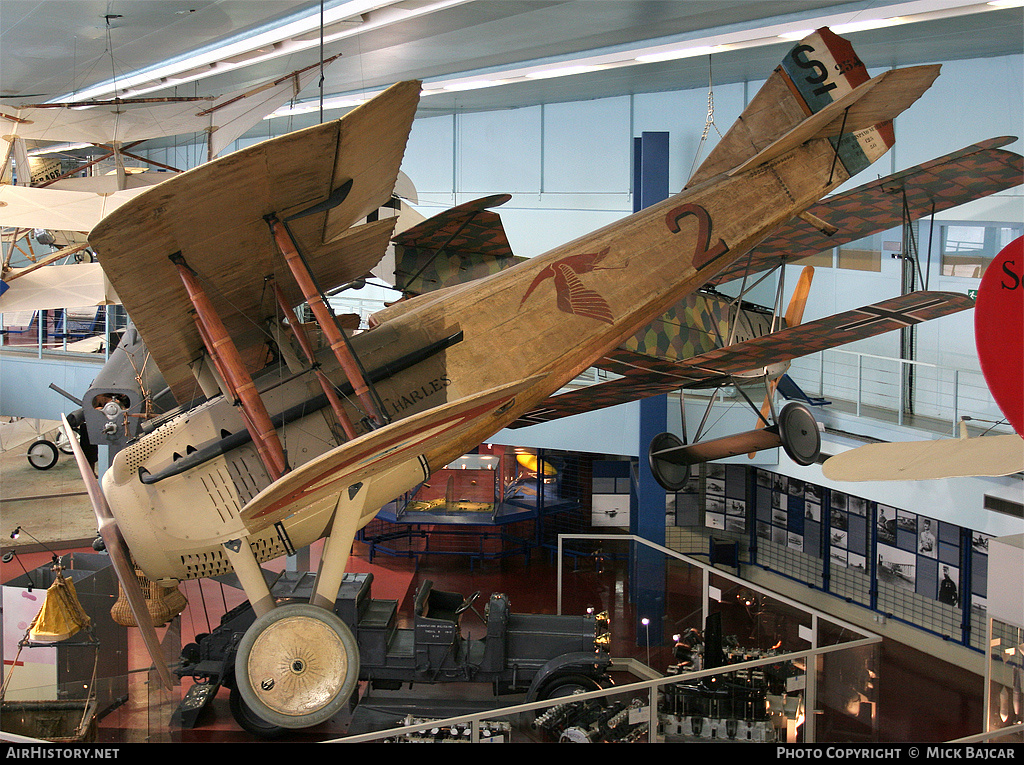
[(304, 431), (119, 124), (709, 339), (65, 204)]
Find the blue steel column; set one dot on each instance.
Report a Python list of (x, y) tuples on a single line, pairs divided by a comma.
[(647, 516)]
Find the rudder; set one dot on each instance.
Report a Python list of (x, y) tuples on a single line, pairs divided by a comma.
[(816, 72)]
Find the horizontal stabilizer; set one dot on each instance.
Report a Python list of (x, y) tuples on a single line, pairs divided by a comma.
[(876, 101), (928, 460), (974, 172), (458, 245)]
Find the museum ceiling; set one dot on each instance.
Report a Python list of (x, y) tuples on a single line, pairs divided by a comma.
[(62, 49)]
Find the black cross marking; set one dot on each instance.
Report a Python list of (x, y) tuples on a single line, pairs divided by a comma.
[(875, 314)]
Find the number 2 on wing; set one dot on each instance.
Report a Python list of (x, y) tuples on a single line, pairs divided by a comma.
[(704, 252)]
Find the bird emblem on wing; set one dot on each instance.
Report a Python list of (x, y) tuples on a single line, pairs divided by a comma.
[(571, 294)]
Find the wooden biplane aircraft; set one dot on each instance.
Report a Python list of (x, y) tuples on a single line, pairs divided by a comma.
[(304, 431)]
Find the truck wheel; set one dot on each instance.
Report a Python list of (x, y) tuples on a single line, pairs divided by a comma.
[(249, 721), (297, 665), (567, 685)]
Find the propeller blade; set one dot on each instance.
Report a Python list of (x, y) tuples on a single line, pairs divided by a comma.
[(766, 406), (795, 312), (119, 557)]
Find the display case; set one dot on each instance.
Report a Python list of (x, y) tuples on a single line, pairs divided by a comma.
[(1004, 702)]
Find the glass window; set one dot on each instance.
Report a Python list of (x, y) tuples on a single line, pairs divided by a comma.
[(968, 248), (861, 255)]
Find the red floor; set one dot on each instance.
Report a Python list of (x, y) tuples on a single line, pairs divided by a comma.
[(920, 698)]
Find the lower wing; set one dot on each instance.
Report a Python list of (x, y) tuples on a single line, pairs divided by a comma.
[(643, 376)]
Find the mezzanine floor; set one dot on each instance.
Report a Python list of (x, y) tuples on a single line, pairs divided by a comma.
[(920, 698)]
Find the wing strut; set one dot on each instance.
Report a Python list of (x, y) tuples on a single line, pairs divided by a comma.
[(226, 358), (300, 335), (325, 318)]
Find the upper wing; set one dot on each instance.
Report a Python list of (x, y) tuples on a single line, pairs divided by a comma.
[(643, 376), (971, 173), (215, 216), (74, 285), (22, 431)]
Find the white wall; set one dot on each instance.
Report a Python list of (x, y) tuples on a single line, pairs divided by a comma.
[(568, 168), (25, 383)]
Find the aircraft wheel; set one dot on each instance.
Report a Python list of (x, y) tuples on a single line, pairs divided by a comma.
[(42, 454), (249, 721), (63, 445), (670, 476), (798, 429), (297, 665)]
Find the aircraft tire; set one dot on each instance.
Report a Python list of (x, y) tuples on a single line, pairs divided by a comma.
[(297, 666), (63, 445), (670, 476), (249, 721), (42, 454), (798, 429)]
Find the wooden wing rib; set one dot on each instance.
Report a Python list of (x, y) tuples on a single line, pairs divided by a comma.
[(215, 216)]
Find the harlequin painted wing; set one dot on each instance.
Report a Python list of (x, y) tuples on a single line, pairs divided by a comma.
[(464, 243), (643, 375), (971, 173)]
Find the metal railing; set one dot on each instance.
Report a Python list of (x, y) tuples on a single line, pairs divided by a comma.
[(649, 691), (911, 393)]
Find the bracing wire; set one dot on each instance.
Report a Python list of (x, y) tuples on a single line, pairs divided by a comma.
[(709, 120)]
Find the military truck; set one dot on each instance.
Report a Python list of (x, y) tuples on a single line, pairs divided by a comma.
[(540, 655)]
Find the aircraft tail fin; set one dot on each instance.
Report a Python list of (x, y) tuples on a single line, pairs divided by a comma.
[(810, 95)]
